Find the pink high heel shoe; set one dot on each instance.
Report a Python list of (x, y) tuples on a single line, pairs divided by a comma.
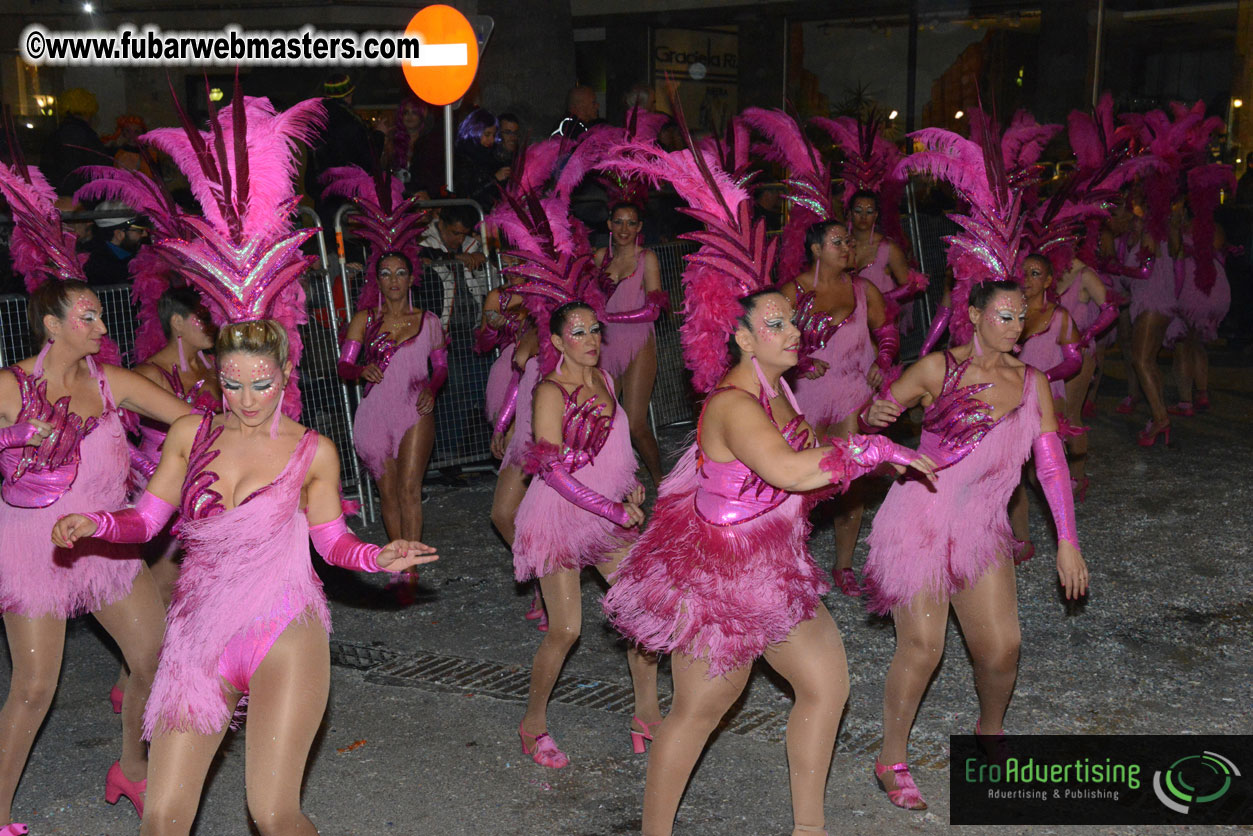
[(1151, 433), (1201, 401), (846, 582), (14, 829), (1079, 487), (639, 739), (537, 606), (543, 750), (1126, 406), (117, 785), (1088, 411), (1183, 408), (115, 699), (906, 795)]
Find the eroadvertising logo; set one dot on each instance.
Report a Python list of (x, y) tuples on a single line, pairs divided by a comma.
[(1101, 779)]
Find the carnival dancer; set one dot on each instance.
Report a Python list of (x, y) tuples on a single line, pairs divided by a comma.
[(848, 347), (722, 574), (62, 449), (401, 354), (248, 616), (582, 505), (952, 544)]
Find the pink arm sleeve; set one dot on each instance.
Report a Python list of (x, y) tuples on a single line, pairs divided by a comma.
[(1106, 317), (510, 406), (917, 283), (1054, 475), (938, 326), (1072, 362), (656, 302), (347, 366), (888, 339), (133, 525), (17, 435), (439, 360), (543, 458), (861, 454), (340, 547)]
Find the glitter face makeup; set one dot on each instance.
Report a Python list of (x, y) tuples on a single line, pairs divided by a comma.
[(581, 336), (85, 320), (1035, 277), (777, 335), (252, 385), (1003, 320), (393, 276)]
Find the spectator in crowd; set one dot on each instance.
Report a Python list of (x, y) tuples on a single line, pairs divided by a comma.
[(115, 241), (414, 150), (768, 204), (508, 138), (344, 140), (124, 144), (450, 238), (74, 143), (478, 173), (582, 112), (642, 96)]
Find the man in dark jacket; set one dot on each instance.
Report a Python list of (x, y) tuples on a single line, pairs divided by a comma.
[(344, 141), (73, 144), (114, 244)]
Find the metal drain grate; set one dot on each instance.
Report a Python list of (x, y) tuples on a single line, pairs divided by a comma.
[(510, 682)]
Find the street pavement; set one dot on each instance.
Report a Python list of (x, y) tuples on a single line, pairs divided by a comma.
[(420, 736)]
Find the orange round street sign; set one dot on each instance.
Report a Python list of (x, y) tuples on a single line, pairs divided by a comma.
[(448, 55)]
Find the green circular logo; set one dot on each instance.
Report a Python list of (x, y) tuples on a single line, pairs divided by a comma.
[(1194, 779)]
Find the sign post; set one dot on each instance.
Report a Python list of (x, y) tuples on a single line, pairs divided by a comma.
[(448, 58)]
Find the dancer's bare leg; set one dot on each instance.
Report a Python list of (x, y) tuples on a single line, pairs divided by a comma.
[(1182, 364), (389, 499), (415, 453), (699, 705), (813, 662), (137, 624), (285, 709), (920, 629), (1076, 390), (1018, 511), (637, 392), (35, 646), (165, 570), (1125, 330), (850, 506), (510, 488), (1146, 341), (988, 614), (564, 602), (1200, 363), (179, 762), (643, 666)]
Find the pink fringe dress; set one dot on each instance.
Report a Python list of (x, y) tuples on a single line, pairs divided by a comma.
[(723, 569), (554, 534), (624, 340), (246, 576), (390, 408), (1197, 310), (1043, 351), (846, 347), (36, 578), (1157, 292), (941, 539), (515, 452)]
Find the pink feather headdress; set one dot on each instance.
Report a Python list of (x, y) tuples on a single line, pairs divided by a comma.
[(387, 221), (734, 258), (553, 251), (871, 163), (808, 183), (643, 125), (42, 247), (989, 247), (244, 254)]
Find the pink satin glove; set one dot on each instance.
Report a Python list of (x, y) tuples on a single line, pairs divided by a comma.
[(340, 547), (917, 283), (18, 435), (132, 525), (656, 302), (347, 366), (510, 406), (1106, 317), (544, 459), (888, 339), (861, 454), (938, 326), (1072, 362), (1054, 476)]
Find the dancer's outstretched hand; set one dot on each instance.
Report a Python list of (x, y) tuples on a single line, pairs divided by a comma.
[(635, 513), (819, 369), (881, 413), (498, 445), (1072, 570), (70, 529), (399, 555)]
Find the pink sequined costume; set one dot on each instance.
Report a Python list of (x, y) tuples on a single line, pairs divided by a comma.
[(37, 579), (152, 434), (553, 533), (623, 340), (246, 576), (389, 409), (846, 347), (1043, 351), (723, 570), (943, 537)]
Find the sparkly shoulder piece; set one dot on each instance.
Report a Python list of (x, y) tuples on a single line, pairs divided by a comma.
[(957, 417), (585, 428)]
